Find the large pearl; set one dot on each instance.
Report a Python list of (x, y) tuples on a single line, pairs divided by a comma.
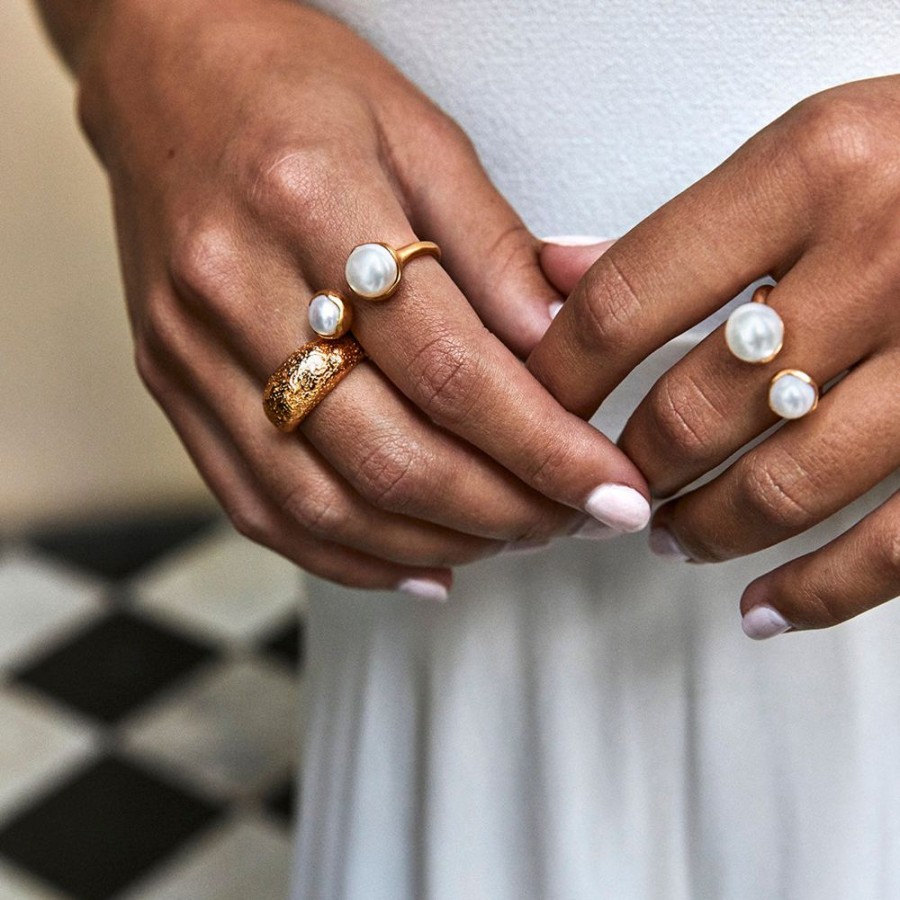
[(372, 271), (754, 332), (791, 396), (327, 316)]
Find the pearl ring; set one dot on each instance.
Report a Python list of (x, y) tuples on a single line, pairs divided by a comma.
[(754, 333), (374, 270), (306, 377)]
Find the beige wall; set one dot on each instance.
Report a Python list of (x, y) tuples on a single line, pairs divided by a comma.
[(77, 432)]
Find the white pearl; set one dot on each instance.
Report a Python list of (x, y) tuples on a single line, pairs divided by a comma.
[(371, 270), (325, 315), (791, 397), (754, 332)]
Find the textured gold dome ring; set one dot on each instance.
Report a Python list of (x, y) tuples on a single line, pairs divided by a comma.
[(374, 270), (306, 377)]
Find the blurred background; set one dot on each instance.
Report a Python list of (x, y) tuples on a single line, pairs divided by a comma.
[(150, 704)]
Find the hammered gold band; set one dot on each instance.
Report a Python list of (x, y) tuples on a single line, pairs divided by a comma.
[(306, 377)]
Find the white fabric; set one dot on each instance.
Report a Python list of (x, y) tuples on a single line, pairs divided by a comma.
[(591, 722)]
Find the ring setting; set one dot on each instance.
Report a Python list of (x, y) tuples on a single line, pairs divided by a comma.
[(793, 394), (754, 331), (330, 316), (374, 269)]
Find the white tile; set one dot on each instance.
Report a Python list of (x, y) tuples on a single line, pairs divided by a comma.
[(233, 731), (17, 885), (223, 585), (37, 747), (39, 600), (245, 859)]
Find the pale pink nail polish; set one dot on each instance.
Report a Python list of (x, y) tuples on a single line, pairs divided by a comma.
[(618, 506), (554, 308), (424, 589), (663, 543), (592, 530), (763, 622)]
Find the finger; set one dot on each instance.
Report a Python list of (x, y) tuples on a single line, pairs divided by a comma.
[(434, 348), (486, 248), (799, 476), (566, 260), (384, 448), (669, 273), (710, 404), (854, 573), (253, 515)]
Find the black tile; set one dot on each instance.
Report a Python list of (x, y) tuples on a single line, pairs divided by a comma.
[(110, 668), (282, 801), (103, 828), (119, 547), (288, 643)]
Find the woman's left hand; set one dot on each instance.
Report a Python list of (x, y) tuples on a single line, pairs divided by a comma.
[(813, 200)]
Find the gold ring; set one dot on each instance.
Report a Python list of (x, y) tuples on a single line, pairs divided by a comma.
[(373, 270), (792, 394), (306, 377)]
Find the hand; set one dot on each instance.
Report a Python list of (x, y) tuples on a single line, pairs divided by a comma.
[(250, 146), (813, 200)]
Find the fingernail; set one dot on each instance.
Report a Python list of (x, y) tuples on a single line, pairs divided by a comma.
[(575, 240), (554, 308), (522, 548), (663, 543), (763, 622), (592, 530), (618, 506), (424, 589)]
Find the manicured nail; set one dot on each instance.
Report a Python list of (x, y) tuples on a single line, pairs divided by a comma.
[(554, 308), (618, 506), (663, 543), (763, 622), (523, 548), (424, 589), (592, 530), (575, 240)]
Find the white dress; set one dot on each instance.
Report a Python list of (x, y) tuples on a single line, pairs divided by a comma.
[(591, 722)]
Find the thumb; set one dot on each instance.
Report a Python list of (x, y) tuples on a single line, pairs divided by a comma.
[(566, 259)]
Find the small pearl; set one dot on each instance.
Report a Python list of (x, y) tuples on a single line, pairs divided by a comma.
[(791, 397), (325, 315), (754, 332), (371, 270)]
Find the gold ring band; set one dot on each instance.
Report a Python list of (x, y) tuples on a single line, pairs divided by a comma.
[(374, 269), (306, 377)]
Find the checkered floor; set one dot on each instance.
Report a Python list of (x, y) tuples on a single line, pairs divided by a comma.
[(150, 708)]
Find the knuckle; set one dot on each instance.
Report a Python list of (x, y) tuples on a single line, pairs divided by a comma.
[(837, 134), (150, 372), (317, 510), (204, 263), (389, 475), (610, 308), (447, 381), (684, 418), (159, 333), (248, 520), (295, 183), (777, 493), (889, 554)]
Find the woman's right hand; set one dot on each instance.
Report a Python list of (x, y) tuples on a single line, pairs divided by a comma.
[(250, 145)]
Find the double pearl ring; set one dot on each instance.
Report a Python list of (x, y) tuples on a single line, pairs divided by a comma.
[(309, 374), (754, 333), (373, 272)]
